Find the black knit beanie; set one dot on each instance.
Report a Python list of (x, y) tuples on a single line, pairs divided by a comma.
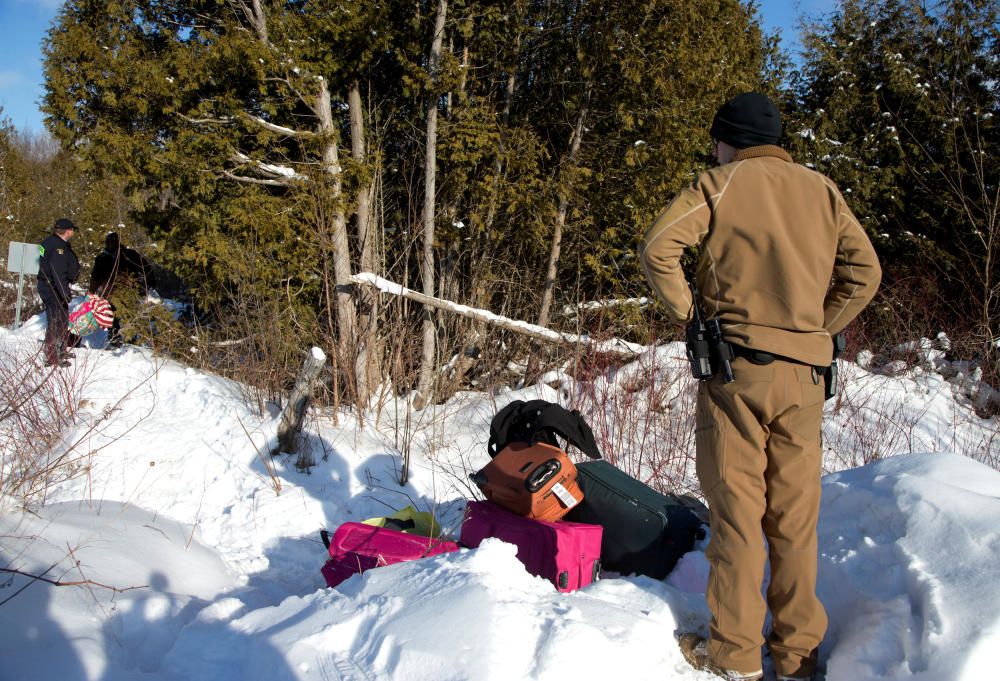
[(747, 120)]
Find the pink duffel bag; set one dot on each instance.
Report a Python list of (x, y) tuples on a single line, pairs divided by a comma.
[(356, 547)]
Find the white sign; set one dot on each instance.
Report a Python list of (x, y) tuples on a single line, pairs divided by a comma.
[(22, 258)]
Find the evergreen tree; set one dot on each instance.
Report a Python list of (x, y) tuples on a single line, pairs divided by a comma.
[(673, 64), (224, 119), (899, 108), (8, 172), (562, 129)]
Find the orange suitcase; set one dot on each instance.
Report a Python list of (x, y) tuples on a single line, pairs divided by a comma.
[(537, 481)]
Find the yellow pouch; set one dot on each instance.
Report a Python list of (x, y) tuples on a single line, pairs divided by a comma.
[(410, 521)]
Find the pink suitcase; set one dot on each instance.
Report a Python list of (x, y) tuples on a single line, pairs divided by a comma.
[(356, 547), (567, 554)]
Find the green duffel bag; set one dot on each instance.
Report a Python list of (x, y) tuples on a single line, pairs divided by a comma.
[(645, 532)]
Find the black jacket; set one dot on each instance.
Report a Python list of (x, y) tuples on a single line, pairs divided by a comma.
[(109, 266), (57, 269)]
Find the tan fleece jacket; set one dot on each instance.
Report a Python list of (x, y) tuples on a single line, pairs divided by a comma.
[(772, 235)]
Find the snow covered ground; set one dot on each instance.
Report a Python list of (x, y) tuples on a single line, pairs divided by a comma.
[(213, 548)]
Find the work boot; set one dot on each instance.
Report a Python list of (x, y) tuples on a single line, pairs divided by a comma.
[(806, 670), (694, 648)]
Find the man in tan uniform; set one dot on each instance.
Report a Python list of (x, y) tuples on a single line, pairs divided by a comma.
[(771, 236)]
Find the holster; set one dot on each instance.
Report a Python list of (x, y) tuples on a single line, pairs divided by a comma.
[(831, 382)]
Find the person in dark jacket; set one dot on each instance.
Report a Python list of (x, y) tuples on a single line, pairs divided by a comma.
[(119, 267), (58, 267), (117, 261)]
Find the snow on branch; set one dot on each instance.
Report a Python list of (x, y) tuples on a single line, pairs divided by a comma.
[(253, 180), (615, 346), (282, 174), (225, 120), (593, 305), (280, 129), (257, 120)]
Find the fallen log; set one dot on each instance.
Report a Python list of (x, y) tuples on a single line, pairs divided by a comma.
[(615, 346)]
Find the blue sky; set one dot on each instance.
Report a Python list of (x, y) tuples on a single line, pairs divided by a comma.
[(23, 24)]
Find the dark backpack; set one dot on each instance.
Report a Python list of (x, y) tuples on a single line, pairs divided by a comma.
[(540, 421)]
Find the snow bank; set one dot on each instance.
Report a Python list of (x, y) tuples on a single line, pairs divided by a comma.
[(223, 543), (910, 571)]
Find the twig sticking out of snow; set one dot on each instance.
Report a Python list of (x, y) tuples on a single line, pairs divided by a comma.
[(59, 582)]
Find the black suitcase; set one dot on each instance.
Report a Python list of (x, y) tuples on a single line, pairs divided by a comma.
[(645, 532)]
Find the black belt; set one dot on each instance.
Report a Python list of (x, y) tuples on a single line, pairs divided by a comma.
[(763, 358)]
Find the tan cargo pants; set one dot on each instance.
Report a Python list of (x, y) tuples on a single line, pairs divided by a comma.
[(758, 462)]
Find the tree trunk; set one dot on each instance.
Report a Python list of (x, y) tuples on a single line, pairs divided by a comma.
[(254, 12), (553, 266), (425, 383), (552, 269), (508, 100), (358, 152), (367, 368), (346, 314), (448, 269), (463, 76), (447, 96), (478, 328)]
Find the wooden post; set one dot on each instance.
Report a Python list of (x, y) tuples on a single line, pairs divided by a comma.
[(295, 409)]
